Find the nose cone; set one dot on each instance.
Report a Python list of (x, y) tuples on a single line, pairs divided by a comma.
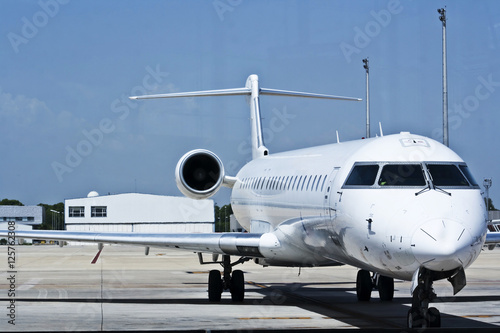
[(442, 245)]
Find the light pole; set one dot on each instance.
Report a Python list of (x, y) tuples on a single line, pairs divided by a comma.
[(56, 218), (487, 184), (442, 18), (366, 66)]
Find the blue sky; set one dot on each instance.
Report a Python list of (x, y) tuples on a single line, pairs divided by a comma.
[(68, 66)]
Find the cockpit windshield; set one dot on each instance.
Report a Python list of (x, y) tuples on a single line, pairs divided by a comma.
[(446, 175), (402, 175), (397, 174)]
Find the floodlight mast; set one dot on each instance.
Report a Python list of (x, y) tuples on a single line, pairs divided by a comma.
[(366, 66), (442, 18)]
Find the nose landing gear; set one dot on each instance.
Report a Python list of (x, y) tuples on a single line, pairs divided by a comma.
[(420, 315)]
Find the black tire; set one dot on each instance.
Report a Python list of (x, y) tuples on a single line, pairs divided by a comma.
[(237, 286), (414, 319), (434, 317), (214, 286), (364, 286), (385, 288)]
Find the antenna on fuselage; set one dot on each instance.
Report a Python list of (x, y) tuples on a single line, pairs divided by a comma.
[(380, 127), (252, 90)]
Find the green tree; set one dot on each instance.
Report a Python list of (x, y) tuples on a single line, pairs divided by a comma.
[(490, 205), (222, 217), (52, 220), (10, 202)]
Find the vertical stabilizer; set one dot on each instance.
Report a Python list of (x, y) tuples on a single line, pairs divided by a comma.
[(258, 148)]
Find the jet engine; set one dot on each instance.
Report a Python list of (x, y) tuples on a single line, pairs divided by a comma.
[(199, 174)]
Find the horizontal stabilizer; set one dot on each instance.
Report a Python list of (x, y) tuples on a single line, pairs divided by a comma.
[(245, 91), (276, 92), (204, 93), (252, 90)]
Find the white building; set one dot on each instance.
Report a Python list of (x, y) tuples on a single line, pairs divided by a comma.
[(25, 217), (135, 212)]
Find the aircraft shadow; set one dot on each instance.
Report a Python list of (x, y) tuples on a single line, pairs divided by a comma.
[(341, 303)]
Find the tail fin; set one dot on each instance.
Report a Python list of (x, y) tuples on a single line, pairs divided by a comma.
[(252, 90)]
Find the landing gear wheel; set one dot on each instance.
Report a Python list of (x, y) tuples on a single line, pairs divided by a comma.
[(214, 286), (414, 319), (385, 288), (420, 315), (434, 317), (237, 286), (364, 285)]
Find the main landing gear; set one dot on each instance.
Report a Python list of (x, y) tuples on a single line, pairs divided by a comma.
[(420, 315), (365, 284), (233, 281)]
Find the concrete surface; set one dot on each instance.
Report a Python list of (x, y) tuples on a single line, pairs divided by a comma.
[(58, 289)]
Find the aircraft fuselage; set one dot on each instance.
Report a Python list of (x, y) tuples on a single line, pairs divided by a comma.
[(386, 204)]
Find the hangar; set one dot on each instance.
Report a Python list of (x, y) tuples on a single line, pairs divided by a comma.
[(137, 212)]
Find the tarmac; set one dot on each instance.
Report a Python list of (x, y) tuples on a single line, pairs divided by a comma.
[(58, 289)]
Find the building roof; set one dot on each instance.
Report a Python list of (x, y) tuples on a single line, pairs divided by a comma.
[(30, 215)]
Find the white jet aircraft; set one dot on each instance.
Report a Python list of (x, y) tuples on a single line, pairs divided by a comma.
[(397, 207)]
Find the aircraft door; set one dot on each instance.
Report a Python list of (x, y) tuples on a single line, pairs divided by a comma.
[(330, 195)]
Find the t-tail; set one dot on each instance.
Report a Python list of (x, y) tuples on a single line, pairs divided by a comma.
[(253, 91)]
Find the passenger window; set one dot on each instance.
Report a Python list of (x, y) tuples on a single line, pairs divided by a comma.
[(308, 181), (323, 184), (302, 183), (446, 175), (362, 175), (298, 183), (319, 181), (402, 175), (314, 182)]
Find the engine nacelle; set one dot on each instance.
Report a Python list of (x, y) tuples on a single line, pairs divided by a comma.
[(199, 174)]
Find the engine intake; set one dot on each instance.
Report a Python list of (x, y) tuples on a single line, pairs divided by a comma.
[(199, 174)]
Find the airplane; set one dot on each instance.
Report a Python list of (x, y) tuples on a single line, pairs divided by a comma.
[(399, 206)]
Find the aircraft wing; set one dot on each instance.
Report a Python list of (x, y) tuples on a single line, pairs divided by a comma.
[(239, 244)]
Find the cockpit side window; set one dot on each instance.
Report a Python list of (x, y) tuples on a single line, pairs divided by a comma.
[(402, 175), (468, 174), (363, 175), (446, 175)]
